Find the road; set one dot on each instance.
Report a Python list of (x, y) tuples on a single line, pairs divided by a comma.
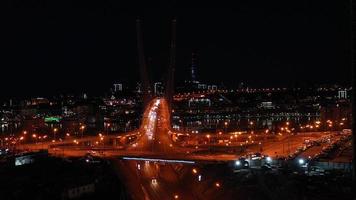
[(150, 180), (311, 152)]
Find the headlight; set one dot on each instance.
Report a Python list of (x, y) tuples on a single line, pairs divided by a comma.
[(301, 161), (268, 159), (237, 163)]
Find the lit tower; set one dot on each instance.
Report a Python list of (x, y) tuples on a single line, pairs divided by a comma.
[(193, 67)]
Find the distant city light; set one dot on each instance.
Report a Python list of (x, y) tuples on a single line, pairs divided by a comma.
[(199, 178)]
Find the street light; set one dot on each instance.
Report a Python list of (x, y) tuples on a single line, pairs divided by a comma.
[(208, 136), (54, 133), (20, 139), (82, 129), (35, 137), (260, 145), (251, 125), (107, 128), (225, 123)]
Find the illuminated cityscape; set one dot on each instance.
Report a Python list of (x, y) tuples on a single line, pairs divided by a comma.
[(133, 103)]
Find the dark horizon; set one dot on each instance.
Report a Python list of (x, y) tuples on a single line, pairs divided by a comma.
[(86, 47)]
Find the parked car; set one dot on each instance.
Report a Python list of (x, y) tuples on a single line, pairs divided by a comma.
[(315, 171)]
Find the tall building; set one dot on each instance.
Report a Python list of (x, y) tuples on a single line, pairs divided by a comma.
[(117, 87), (158, 88), (342, 94), (193, 67)]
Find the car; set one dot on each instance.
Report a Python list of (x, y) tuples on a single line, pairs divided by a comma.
[(256, 156), (315, 171), (242, 163), (266, 167), (93, 152)]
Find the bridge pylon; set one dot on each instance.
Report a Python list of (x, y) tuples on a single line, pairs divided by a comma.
[(147, 96)]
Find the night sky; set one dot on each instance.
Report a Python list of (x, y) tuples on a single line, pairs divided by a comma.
[(51, 47)]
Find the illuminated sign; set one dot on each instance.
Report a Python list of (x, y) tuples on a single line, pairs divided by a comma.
[(52, 119)]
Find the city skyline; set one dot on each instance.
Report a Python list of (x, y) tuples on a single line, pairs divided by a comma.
[(145, 100), (87, 50)]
